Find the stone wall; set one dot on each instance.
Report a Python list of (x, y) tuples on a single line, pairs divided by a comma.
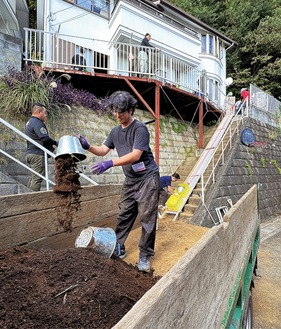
[(177, 141), (10, 52), (247, 166)]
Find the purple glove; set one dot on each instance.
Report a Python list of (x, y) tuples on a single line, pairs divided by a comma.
[(83, 142), (100, 167)]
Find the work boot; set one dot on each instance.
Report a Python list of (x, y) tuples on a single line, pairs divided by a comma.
[(144, 264), (120, 251)]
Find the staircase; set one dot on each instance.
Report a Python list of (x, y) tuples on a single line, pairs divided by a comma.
[(184, 170), (205, 169), (11, 186)]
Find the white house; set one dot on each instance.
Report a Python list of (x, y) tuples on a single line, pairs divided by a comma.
[(191, 56), (13, 18)]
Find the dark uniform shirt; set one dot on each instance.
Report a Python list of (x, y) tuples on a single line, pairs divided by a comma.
[(36, 129)]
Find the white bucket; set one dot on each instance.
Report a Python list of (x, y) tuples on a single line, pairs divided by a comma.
[(101, 239)]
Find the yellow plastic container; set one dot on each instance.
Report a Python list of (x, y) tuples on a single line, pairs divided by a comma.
[(175, 201)]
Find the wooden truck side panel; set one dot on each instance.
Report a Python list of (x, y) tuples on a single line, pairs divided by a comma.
[(195, 293)]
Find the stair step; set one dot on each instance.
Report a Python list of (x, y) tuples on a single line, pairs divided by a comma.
[(190, 208), (185, 216), (194, 200)]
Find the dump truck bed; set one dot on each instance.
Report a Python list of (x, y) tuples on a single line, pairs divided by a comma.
[(210, 286)]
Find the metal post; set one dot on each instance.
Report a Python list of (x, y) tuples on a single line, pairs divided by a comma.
[(157, 123), (202, 189)]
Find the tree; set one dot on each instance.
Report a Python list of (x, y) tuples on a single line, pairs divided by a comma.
[(32, 6), (255, 26)]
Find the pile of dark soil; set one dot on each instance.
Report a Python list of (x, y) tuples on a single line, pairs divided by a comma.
[(74, 288)]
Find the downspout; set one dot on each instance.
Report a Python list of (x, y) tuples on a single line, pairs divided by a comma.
[(229, 47), (157, 124), (200, 140)]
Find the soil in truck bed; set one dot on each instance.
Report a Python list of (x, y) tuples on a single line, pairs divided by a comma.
[(76, 288)]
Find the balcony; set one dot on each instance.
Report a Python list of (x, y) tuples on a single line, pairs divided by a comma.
[(55, 51)]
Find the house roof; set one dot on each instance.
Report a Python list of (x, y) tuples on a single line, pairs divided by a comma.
[(168, 8)]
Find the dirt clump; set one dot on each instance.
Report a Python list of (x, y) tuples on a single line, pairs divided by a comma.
[(67, 186), (73, 288), (66, 175)]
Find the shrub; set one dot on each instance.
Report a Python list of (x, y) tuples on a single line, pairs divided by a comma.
[(20, 89)]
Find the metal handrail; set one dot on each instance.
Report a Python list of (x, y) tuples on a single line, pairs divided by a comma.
[(207, 157), (223, 145), (46, 153)]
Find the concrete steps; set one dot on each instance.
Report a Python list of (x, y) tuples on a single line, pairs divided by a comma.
[(9, 186)]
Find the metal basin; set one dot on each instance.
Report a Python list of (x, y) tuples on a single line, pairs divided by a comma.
[(70, 146)]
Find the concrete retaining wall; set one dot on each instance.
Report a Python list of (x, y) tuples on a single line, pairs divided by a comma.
[(244, 167), (178, 141), (35, 218), (195, 292)]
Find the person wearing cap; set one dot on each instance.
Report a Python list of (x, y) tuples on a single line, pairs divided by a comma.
[(37, 130), (140, 192), (245, 94)]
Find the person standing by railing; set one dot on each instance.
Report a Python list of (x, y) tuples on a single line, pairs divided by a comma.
[(245, 94), (79, 59), (37, 130), (144, 54)]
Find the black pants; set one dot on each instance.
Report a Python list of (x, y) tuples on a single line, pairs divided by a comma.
[(139, 198), (164, 197)]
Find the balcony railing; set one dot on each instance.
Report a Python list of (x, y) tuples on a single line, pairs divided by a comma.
[(56, 51)]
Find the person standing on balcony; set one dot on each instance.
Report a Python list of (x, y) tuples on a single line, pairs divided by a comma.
[(140, 192), (145, 54), (79, 59), (37, 130)]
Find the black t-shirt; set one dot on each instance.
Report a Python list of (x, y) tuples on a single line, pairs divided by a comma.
[(36, 129), (125, 140)]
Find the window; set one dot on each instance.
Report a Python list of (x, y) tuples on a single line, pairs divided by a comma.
[(87, 4), (93, 5), (203, 43), (221, 51), (211, 44), (217, 91), (210, 89)]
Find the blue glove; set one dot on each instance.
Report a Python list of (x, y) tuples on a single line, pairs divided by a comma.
[(83, 142), (100, 167)]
